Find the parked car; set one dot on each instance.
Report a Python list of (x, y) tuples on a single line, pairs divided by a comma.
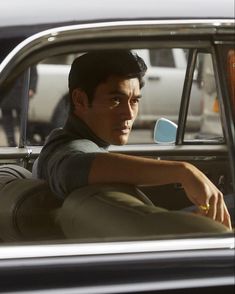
[(40, 252), (165, 67)]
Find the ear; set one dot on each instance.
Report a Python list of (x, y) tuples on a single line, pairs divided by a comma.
[(80, 100)]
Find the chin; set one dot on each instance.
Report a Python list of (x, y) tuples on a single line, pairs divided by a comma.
[(120, 141)]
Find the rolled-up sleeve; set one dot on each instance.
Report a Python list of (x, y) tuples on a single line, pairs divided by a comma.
[(67, 167)]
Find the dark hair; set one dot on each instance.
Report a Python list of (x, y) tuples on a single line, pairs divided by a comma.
[(93, 68)]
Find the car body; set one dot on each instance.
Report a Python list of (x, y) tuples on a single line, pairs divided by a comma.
[(33, 258)]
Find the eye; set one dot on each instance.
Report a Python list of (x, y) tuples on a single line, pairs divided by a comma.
[(135, 101), (115, 101)]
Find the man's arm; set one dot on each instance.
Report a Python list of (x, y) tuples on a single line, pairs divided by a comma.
[(120, 168)]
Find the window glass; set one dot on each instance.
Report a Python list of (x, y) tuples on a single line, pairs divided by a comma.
[(10, 115), (59, 59), (45, 111), (162, 91), (11, 106), (162, 57), (204, 120), (49, 105), (49, 101)]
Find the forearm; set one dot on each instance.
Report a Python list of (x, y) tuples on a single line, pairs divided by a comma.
[(120, 168)]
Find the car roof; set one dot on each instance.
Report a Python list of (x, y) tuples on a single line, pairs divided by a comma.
[(27, 16)]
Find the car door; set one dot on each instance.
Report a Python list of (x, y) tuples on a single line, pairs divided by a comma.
[(135, 267), (211, 155), (207, 151)]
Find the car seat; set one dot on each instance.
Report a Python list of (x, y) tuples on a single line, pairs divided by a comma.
[(122, 211), (29, 211), (27, 207)]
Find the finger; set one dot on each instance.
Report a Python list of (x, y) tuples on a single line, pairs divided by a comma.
[(212, 208), (203, 209), (220, 209), (227, 219)]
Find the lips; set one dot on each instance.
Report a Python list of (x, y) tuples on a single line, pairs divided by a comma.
[(125, 130), (122, 129)]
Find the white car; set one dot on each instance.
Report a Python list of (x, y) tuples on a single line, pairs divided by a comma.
[(161, 94)]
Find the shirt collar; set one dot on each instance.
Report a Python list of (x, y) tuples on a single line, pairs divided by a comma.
[(78, 128)]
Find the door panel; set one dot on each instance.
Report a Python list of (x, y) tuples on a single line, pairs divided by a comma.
[(210, 159)]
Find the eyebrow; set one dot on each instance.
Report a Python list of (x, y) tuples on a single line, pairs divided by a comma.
[(123, 94)]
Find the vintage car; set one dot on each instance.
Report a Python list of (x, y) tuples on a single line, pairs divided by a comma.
[(52, 246)]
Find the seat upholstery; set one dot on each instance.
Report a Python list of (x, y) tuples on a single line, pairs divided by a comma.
[(11, 172), (119, 211), (30, 211), (27, 207)]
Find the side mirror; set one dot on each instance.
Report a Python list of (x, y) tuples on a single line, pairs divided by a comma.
[(165, 131)]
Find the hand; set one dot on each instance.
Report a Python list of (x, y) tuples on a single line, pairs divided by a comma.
[(205, 195), (31, 93)]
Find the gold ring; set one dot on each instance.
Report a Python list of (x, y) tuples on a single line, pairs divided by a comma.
[(205, 207)]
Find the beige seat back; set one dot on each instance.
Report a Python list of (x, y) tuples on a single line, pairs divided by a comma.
[(26, 207)]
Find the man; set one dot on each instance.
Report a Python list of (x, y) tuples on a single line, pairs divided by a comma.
[(105, 89)]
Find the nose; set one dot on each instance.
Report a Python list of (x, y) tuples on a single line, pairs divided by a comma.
[(127, 112)]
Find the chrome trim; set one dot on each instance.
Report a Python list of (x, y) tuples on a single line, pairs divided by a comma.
[(138, 287), (129, 247), (122, 29), (161, 148), (31, 152), (14, 153)]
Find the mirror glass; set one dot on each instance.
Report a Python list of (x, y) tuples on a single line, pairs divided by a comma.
[(165, 131)]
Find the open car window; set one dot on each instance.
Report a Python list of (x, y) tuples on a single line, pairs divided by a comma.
[(61, 235), (162, 94), (209, 123), (178, 88)]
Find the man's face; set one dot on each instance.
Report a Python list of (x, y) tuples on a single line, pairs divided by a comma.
[(114, 109)]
